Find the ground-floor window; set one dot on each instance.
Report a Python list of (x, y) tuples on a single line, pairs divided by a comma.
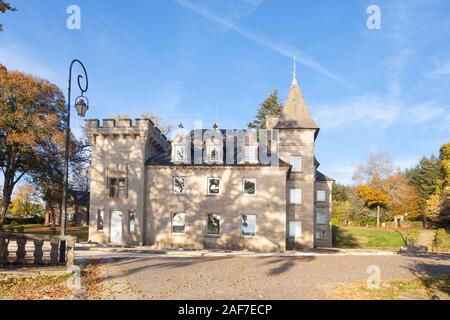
[(321, 234), (178, 222), (295, 229), (100, 219), (131, 221), (248, 225), (213, 224), (321, 218)]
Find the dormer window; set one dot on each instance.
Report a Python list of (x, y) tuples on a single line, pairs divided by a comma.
[(214, 153), (180, 153)]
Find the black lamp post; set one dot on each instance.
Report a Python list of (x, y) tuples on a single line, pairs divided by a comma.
[(81, 107)]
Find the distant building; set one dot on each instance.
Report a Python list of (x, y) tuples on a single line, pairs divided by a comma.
[(148, 190), (77, 210)]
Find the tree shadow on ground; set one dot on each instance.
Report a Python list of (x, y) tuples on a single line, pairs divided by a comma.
[(145, 263), (285, 263), (343, 239), (435, 278)]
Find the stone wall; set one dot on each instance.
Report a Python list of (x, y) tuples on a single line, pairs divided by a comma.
[(120, 147), (268, 204)]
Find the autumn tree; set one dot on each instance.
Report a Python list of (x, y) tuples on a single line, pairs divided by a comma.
[(270, 106), (31, 127), (373, 199), (379, 167), (26, 202), (403, 197), (444, 157), (5, 7)]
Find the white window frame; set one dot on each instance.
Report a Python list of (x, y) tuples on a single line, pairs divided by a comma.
[(173, 183), (220, 227), (323, 219), (131, 222), (243, 186), (250, 155), (242, 218), (319, 234), (291, 198), (184, 222), (294, 169), (295, 225), (324, 192), (177, 147), (207, 187)]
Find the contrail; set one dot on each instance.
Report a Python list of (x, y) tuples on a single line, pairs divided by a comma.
[(284, 49)]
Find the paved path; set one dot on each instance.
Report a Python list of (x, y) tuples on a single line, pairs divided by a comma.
[(147, 276)]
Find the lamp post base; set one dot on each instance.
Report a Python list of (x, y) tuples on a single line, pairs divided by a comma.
[(62, 252)]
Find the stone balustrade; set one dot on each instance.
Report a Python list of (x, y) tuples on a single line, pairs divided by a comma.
[(21, 239)]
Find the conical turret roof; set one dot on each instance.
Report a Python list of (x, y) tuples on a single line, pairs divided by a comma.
[(295, 113)]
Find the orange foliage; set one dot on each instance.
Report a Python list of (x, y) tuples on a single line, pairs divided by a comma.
[(373, 197), (403, 197)]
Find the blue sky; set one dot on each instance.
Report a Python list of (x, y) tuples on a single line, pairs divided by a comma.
[(185, 60)]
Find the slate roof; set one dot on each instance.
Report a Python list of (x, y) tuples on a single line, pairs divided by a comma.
[(295, 113), (321, 177), (164, 158)]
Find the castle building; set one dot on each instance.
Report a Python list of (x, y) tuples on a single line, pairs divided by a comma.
[(216, 188)]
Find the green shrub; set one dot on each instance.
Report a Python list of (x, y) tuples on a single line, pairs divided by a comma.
[(335, 221), (52, 230), (440, 238)]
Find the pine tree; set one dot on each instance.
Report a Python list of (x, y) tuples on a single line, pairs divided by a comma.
[(423, 177), (270, 106)]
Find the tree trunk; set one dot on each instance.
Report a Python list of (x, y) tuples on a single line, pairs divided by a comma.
[(5, 204), (378, 216)]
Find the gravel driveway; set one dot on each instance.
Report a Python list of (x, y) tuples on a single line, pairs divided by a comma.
[(258, 277)]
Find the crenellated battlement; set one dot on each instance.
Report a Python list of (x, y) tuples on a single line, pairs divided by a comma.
[(125, 127)]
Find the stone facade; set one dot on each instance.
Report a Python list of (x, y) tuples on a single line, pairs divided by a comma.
[(148, 190)]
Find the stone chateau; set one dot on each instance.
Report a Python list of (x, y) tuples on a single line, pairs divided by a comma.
[(215, 188)]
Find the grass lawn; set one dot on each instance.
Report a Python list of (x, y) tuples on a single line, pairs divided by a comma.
[(423, 288), (366, 238), (81, 232)]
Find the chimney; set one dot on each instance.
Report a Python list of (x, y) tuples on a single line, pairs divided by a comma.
[(271, 121)]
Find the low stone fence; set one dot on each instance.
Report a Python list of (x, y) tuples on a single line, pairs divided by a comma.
[(21, 239)]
